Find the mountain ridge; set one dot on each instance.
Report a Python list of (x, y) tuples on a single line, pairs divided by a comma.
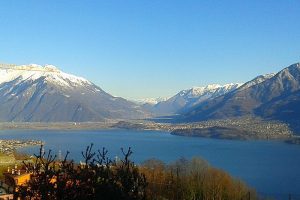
[(35, 93), (259, 99), (185, 99), (46, 94)]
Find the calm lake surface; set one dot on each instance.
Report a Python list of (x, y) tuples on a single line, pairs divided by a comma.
[(272, 168)]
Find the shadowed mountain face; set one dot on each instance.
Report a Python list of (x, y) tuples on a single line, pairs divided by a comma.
[(45, 94), (271, 96)]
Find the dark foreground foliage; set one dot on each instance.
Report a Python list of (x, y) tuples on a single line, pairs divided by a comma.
[(101, 178), (97, 178)]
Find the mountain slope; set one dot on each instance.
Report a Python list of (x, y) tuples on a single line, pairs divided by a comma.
[(33, 93), (186, 99), (266, 96)]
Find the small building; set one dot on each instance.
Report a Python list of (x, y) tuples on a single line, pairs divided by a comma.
[(13, 178), (16, 178)]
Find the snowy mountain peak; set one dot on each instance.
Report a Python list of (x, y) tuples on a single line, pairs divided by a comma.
[(30, 67), (257, 80), (36, 93), (33, 72), (195, 92), (267, 76), (186, 99), (151, 101), (51, 68)]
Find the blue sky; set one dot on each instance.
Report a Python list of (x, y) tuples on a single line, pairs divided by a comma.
[(152, 48)]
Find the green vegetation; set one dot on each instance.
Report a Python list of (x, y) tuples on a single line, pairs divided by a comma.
[(101, 178), (6, 159)]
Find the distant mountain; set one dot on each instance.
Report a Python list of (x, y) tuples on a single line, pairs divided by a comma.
[(186, 99), (33, 93), (151, 101), (273, 96)]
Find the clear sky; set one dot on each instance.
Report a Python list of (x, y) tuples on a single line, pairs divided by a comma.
[(152, 48)]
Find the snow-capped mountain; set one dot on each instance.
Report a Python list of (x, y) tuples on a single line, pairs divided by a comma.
[(186, 99), (207, 92), (46, 94), (273, 96), (33, 72), (257, 80), (151, 101)]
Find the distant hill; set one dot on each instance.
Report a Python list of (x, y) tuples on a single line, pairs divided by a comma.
[(150, 101), (33, 93)]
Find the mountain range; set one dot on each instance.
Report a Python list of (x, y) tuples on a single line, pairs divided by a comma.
[(273, 96), (188, 98), (34, 93)]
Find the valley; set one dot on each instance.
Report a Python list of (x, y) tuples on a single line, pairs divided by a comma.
[(36, 97), (143, 100), (247, 128)]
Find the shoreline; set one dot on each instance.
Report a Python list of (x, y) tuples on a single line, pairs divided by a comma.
[(9, 146), (234, 129)]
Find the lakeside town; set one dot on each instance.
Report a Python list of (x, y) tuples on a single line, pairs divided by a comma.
[(250, 127), (9, 146)]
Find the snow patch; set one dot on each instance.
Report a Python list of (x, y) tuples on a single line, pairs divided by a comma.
[(151, 101), (196, 92), (32, 72), (257, 80)]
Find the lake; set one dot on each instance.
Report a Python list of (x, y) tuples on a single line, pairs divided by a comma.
[(271, 167)]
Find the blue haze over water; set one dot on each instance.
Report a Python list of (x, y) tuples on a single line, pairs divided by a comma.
[(271, 167)]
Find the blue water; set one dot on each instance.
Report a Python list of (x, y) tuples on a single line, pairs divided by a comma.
[(271, 167)]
